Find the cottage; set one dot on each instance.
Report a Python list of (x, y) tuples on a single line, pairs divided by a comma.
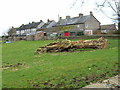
[(70, 26), (109, 28), (45, 30), (29, 28), (76, 26)]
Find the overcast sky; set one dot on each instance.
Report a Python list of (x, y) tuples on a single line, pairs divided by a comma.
[(17, 12)]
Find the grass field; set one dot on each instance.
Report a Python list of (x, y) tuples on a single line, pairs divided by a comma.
[(56, 70)]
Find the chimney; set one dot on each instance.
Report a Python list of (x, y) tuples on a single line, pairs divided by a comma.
[(48, 20), (80, 14), (40, 20), (60, 18), (67, 17), (91, 13)]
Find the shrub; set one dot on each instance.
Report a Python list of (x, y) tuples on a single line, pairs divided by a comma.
[(117, 32)]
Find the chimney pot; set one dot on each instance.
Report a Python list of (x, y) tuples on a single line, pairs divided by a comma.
[(67, 17), (80, 14), (48, 20), (91, 13), (60, 18)]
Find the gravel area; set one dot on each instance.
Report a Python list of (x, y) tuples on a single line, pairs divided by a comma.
[(113, 82)]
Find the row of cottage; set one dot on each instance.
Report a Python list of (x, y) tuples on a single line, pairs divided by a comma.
[(70, 26)]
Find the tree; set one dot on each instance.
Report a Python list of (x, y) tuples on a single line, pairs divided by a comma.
[(12, 31), (114, 6)]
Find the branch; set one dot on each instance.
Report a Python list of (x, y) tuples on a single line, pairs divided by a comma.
[(104, 2), (73, 4), (102, 5), (112, 7), (116, 5), (82, 3), (107, 15)]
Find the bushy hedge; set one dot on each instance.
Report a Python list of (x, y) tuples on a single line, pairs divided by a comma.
[(117, 32)]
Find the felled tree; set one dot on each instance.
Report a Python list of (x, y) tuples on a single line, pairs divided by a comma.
[(67, 45)]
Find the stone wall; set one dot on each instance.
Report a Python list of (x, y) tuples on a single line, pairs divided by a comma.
[(30, 37), (92, 37), (92, 24), (39, 36)]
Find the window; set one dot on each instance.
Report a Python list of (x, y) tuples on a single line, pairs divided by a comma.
[(78, 26), (45, 34), (86, 25), (18, 32), (80, 33), (72, 33)]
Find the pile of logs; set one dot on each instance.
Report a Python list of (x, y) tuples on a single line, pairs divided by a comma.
[(66, 45)]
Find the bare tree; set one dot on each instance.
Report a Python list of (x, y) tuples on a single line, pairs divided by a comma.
[(113, 6), (81, 2)]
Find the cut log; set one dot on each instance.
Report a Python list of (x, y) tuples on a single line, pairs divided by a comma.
[(66, 45)]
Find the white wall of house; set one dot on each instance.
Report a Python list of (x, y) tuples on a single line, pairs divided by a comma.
[(33, 30), (22, 31), (27, 31), (17, 32)]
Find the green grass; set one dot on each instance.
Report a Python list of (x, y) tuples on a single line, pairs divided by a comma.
[(56, 70)]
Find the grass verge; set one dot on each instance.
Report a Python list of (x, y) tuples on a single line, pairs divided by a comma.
[(56, 70)]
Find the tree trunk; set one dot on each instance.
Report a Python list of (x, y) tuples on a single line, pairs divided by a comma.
[(67, 45), (118, 21)]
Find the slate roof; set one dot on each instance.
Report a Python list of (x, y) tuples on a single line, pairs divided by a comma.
[(46, 24), (29, 26), (73, 20), (108, 27)]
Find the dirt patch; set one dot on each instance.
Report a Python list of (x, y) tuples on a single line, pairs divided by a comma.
[(12, 66)]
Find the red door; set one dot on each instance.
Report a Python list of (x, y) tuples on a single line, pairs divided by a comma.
[(66, 34)]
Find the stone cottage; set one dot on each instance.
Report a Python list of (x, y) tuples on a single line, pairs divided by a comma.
[(109, 28), (69, 26), (45, 31), (75, 26)]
